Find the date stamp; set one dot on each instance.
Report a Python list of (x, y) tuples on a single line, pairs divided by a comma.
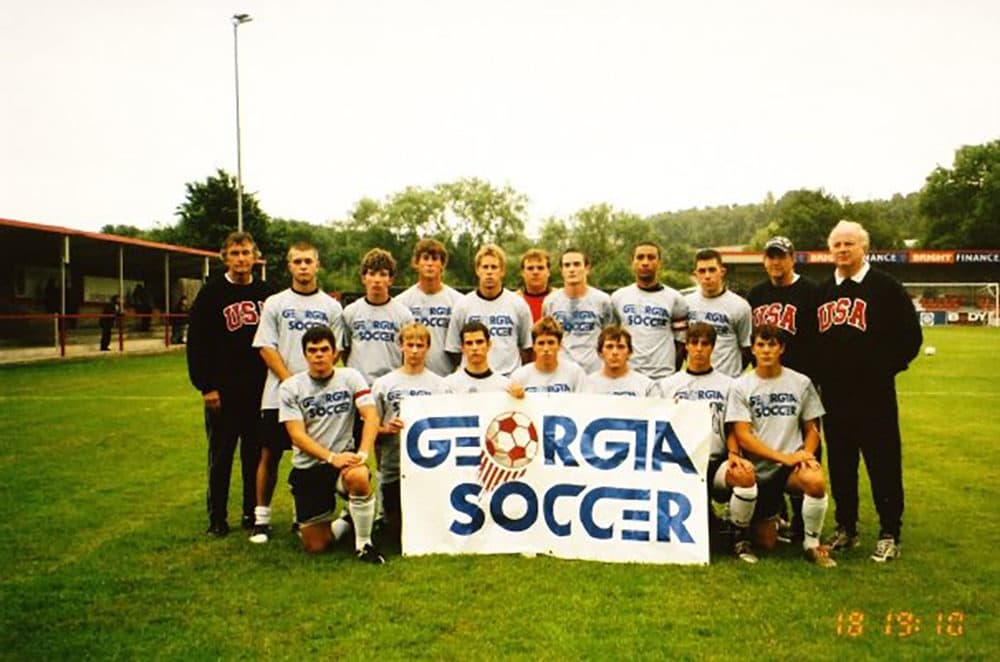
[(900, 624)]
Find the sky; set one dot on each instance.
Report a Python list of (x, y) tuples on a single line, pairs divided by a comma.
[(111, 106)]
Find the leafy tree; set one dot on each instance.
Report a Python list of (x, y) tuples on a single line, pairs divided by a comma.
[(804, 216), (125, 230), (208, 214), (962, 203)]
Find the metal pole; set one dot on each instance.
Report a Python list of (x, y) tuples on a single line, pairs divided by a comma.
[(238, 19)]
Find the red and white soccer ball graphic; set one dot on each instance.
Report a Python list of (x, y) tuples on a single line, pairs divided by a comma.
[(511, 440)]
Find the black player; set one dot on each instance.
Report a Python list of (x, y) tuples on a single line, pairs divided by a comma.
[(228, 371), (868, 332)]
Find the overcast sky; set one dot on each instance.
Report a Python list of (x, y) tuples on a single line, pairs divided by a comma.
[(110, 107)]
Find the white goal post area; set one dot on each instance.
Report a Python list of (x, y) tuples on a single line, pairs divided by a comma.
[(965, 304)]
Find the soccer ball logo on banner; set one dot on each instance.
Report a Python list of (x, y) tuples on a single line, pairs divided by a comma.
[(509, 446)]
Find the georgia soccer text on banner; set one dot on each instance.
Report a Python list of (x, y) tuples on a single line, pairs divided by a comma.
[(574, 476)]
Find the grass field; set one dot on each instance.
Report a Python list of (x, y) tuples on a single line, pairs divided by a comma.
[(104, 556)]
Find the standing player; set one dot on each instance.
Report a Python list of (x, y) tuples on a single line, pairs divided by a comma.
[(505, 314), (372, 324), (431, 301), (410, 380), (868, 332), (476, 376), (616, 376), (731, 478), (285, 317), (729, 313), (225, 367), (535, 274), (318, 407), (655, 315), (581, 310), (788, 301), (547, 374), (775, 413)]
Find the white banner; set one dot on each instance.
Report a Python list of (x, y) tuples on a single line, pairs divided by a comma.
[(570, 475)]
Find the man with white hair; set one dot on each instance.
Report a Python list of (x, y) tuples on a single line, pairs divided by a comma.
[(868, 332)]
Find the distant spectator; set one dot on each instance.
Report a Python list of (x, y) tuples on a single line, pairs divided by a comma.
[(179, 324), (110, 314)]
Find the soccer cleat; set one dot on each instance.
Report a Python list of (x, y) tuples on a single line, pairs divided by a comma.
[(260, 534), (743, 550), (820, 555), (247, 522), (842, 540), (370, 555), (886, 549), (785, 533), (218, 529)]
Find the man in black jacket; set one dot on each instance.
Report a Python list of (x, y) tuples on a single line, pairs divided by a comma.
[(229, 372), (868, 332)]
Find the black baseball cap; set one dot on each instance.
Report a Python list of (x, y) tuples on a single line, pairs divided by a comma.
[(779, 244)]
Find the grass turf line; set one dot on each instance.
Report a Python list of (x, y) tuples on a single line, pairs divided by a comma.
[(103, 466)]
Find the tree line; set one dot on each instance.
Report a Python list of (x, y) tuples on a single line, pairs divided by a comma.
[(958, 207)]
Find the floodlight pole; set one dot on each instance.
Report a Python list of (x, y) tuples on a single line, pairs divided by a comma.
[(238, 19)]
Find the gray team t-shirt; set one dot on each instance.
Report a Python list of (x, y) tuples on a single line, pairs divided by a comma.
[(632, 384), (732, 318), (389, 391), (566, 378), (776, 408), (509, 320), (372, 336), (434, 312), (582, 319), (284, 319), (712, 387), (326, 407), (656, 319)]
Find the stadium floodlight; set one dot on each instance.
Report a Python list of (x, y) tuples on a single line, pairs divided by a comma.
[(238, 20)]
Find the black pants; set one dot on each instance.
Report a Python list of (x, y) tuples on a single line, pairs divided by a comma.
[(237, 423), (105, 337), (866, 425)]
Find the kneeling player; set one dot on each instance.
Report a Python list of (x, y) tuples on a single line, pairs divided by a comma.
[(616, 377), (547, 374), (317, 407), (731, 478), (410, 380), (775, 413)]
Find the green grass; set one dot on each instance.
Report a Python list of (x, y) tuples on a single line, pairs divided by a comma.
[(104, 556)]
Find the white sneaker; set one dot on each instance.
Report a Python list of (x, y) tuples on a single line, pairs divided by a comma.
[(886, 549)]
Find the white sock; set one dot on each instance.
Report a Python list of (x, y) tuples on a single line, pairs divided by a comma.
[(363, 513), (741, 505), (813, 513), (340, 527), (262, 515)]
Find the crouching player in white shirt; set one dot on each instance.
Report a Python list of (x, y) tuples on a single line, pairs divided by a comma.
[(775, 413), (616, 376), (412, 379), (317, 407), (731, 478), (547, 374)]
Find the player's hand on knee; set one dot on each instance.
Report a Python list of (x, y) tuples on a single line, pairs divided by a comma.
[(213, 400)]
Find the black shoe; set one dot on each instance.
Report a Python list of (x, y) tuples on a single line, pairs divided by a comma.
[(247, 522), (295, 528), (370, 555), (218, 529)]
